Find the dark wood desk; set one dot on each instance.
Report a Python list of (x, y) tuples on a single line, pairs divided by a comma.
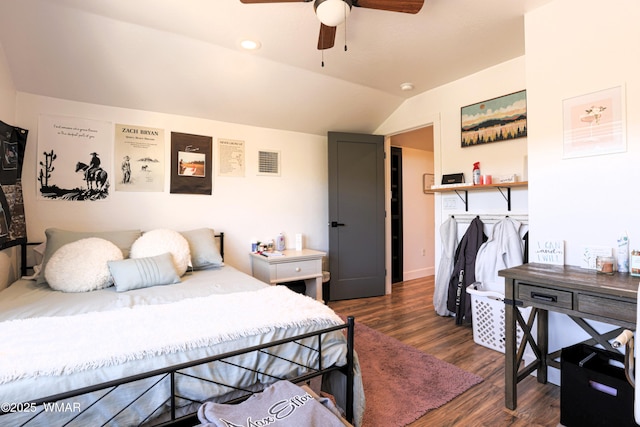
[(577, 292)]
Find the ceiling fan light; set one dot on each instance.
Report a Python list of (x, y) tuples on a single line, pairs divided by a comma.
[(332, 12)]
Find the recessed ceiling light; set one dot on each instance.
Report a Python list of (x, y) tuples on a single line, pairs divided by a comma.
[(250, 44), (406, 86)]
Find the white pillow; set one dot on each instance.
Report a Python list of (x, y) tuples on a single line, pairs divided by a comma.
[(157, 242), (81, 266)]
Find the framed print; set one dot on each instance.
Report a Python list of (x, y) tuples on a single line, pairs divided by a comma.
[(191, 159), (75, 158), (231, 158), (498, 119), (594, 124), (140, 159)]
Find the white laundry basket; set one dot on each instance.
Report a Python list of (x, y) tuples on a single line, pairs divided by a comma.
[(487, 314)]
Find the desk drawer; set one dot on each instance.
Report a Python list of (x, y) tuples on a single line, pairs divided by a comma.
[(292, 270), (545, 296), (604, 307)]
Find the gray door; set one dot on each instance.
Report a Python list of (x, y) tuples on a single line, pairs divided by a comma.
[(356, 215)]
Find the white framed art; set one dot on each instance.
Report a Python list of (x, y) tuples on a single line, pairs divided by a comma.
[(594, 124)]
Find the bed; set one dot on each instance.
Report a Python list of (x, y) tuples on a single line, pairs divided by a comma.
[(152, 354)]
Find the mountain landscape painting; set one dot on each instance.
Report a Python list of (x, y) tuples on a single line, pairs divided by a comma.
[(497, 119)]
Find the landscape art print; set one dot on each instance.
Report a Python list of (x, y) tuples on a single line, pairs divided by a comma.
[(498, 119), (74, 158)]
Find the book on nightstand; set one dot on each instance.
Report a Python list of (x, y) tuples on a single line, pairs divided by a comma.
[(272, 254)]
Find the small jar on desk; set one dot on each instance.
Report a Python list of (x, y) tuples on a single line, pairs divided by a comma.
[(605, 264)]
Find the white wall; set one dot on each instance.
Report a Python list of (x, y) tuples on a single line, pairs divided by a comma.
[(417, 212), (575, 47), (442, 107), (8, 265), (7, 91), (253, 206)]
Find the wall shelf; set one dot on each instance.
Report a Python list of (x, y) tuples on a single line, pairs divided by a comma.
[(466, 188)]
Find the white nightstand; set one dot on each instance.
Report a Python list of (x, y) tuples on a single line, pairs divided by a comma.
[(293, 265)]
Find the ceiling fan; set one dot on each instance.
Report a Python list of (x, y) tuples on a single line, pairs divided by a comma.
[(332, 13)]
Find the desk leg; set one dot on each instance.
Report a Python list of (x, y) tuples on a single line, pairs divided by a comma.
[(510, 366), (543, 344)]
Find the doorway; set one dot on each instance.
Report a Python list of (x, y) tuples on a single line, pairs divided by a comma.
[(417, 210), (396, 215)]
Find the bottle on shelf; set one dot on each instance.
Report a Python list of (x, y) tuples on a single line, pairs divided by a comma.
[(476, 173)]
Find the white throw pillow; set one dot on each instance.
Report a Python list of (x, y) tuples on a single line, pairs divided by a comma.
[(157, 242), (81, 266)]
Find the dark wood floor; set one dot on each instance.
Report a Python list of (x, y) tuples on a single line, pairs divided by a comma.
[(408, 315)]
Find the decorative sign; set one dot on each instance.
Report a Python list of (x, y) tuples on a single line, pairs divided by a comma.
[(548, 252), (140, 151), (590, 253)]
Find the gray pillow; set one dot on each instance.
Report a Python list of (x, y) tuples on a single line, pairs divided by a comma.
[(203, 248), (56, 238), (137, 273)]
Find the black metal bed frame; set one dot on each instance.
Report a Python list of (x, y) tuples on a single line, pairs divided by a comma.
[(172, 372)]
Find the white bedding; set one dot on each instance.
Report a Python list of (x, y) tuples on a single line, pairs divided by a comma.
[(25, 299)]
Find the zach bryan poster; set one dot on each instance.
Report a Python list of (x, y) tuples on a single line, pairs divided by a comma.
[(139, 158)]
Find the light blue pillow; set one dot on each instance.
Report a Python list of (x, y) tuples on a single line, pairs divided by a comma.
[(137, 273), (203, 248)]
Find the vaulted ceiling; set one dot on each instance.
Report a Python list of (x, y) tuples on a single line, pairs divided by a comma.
[(183, 56)]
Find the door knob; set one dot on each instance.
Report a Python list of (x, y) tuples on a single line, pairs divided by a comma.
[(336, 224)]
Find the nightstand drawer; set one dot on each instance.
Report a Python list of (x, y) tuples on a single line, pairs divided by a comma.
[(544, 296), (298, 269)]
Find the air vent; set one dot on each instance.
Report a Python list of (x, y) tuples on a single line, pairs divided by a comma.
[(269, 163)]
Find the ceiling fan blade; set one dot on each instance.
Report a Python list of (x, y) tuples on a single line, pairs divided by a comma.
[(327, 37), (405, 6), (272, 1)]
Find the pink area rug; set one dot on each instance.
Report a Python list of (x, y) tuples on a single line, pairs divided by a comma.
[(402, 383)]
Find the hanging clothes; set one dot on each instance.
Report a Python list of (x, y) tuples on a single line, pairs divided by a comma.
[(464, 271), (504, 249), (449, 238)]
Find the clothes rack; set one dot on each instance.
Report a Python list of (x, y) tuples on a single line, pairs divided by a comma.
[(489, 218)]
